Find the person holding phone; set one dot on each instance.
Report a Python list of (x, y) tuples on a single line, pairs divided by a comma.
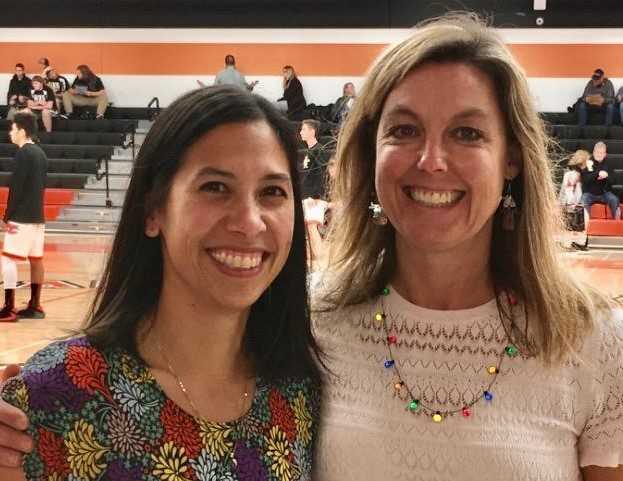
[(87, 89)]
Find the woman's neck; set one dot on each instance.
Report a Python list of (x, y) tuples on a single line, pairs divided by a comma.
[(455, 279), (198, 338)]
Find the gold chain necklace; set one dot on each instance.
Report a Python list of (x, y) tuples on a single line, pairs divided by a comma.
[(178, 379)]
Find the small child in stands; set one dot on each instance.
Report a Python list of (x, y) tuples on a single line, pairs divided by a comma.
[(570, 197)]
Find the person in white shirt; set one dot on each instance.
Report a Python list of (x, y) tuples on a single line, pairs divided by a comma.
[(460, 347)]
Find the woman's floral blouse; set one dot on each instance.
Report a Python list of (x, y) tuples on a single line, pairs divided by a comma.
[(101, 416)]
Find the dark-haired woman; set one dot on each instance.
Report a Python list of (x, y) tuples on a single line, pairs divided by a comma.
[(197, 361), (86, 90)]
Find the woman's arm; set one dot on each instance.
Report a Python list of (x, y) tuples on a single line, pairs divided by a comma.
[(598, 473), (12, 474)]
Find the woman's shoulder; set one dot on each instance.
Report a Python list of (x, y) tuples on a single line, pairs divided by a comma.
[(605, 344)]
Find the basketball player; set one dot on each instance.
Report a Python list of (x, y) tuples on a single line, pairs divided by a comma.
[(24, 221)]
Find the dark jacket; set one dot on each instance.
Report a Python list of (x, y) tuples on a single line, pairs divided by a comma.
[(19, 87), (590, 182), (293, 95)]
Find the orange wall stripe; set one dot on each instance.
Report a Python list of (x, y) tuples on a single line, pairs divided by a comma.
[(539, 60)]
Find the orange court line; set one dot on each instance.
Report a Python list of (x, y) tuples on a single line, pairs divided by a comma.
[(538, 60)]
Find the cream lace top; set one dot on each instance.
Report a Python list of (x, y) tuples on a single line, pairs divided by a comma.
[(542, 424)]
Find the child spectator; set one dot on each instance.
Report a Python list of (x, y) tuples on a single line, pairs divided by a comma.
[(41, 102), (570, 198)]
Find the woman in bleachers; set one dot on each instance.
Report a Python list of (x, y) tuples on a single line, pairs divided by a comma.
[(293, 94), (570, 198), (44, 63), (87, 89)]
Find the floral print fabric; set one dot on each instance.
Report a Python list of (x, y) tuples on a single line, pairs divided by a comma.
[(101, 416)]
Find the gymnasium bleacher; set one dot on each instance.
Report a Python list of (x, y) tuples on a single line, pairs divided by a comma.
[(89, 162), (570, 137)]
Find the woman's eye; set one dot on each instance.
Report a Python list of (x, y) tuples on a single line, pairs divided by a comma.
[(468, 134), (216, 187), (274, 191), (403, 131)]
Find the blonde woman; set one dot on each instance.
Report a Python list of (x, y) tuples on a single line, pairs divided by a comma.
[(293, 94), (461, 348)]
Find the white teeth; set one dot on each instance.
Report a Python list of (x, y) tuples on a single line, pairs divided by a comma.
[(435, 198), (237, 261)]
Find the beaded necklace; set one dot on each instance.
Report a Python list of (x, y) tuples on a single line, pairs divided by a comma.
[(415, 404)]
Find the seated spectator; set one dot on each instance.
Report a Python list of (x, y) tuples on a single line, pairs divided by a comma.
[(596, 182), (598, 95), (315, 161), (41, 101), (44, 63), (86, 90), (230, 75), (59, 86), (619, 99), (19, 91), (570, 198), (343, 105), (293, 94)]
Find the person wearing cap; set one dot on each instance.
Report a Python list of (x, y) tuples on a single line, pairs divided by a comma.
[(598, 95)]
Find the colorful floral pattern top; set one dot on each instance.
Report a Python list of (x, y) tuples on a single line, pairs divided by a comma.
[(100, 415)]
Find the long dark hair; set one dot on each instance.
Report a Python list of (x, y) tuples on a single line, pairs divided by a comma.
[(87, 73), (278, 335)]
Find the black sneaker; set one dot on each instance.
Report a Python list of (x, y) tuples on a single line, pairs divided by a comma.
[(63, 116), (8, 315), (31, 313)]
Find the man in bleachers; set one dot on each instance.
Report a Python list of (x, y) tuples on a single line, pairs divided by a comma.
[(230, 75), (41, 101), (24, 221), (19, 91), (59, 86), (86, 90), (315, 161), (595, 178), (598, 95), (343, 105)]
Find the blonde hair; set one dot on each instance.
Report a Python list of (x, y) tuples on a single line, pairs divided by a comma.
[(523, 261), (579, 157)]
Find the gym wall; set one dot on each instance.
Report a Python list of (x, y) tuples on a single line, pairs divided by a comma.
[(138, 64)]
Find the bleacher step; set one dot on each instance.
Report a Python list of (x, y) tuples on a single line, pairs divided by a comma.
[(115, 182), (80, 227), (119, 167), (95, 214), (94, 198)]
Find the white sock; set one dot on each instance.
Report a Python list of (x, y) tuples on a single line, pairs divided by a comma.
[(9, 272)]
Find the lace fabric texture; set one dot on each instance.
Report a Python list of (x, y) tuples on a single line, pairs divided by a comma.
[(543, 423)]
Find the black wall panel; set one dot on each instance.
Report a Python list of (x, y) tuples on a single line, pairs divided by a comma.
[(299, 13)]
